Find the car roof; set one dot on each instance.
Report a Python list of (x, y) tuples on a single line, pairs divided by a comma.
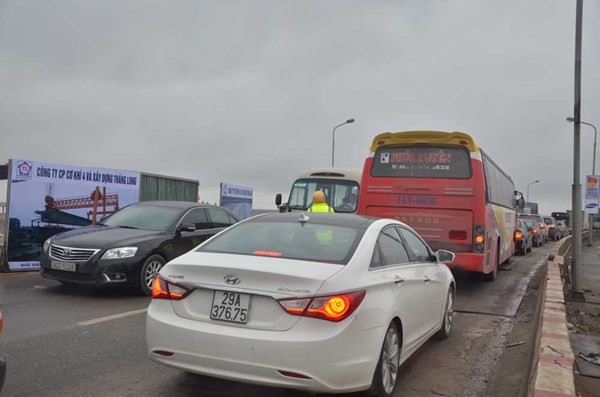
[(345, 220), (175, 204)]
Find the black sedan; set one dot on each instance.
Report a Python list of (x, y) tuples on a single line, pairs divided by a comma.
[(131, 245)]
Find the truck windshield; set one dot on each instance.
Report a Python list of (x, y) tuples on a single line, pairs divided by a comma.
[(340, 194)]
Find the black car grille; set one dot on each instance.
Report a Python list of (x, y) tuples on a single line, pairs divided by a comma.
[(68, 254)]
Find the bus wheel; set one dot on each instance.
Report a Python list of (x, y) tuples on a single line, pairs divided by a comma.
[(494, 273)]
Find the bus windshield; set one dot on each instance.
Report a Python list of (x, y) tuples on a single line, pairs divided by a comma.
[(421, 162), (341, 194)]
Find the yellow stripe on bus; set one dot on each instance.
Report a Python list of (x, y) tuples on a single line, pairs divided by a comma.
[(428, 137)]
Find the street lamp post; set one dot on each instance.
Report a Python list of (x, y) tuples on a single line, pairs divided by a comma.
[(349, 121), (530, 183), (591, 217), (572, 119)]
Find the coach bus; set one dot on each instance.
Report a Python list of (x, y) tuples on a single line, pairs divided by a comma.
[(340, 185), (449, 190)]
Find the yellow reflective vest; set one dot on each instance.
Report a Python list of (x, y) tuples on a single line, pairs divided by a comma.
[(320, 207)]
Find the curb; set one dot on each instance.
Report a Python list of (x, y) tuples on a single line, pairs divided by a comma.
[(554, 365)]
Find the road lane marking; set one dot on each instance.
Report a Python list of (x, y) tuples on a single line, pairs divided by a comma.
[(112, 317)]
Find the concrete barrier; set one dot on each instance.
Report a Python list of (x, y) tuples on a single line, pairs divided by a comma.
[(552, 370)]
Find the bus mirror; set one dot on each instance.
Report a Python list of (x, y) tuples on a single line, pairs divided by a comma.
[(444, 256), (278, 199), (521, 203)]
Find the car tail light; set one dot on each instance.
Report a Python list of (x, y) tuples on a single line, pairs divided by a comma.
[(162, 289), (542, 226), (518, 234), (551, 226), (479, 238), (534, 231), (331, 307)]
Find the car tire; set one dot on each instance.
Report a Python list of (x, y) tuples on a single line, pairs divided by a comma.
[(149, 269), (386, 372), (444, 332)]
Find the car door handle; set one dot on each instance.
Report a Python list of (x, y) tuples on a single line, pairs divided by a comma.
[(426, 279), (398, 280)]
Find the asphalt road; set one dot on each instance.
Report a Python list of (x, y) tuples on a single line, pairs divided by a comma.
[(71, 341)]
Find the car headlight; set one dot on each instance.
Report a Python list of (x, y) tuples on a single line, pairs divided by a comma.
[(46, 246), (118, 253)]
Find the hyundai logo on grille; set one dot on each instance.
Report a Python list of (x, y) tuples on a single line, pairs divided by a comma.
[(232, 279)]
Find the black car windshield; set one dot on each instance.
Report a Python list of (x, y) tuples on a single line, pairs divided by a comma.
[(148, 217), (289, 240)]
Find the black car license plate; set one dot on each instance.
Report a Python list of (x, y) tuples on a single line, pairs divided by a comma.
[(64, 266)]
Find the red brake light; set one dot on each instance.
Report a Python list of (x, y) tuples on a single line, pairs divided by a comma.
[(267, 253), (162, 289), (534, 231), (551, 226), (331, 308)]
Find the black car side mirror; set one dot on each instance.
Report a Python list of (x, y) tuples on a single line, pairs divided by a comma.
[(186, 227), (278, 199)]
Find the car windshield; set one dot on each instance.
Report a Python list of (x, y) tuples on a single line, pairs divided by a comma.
[(148, 217), (289, 240), (529, 222)]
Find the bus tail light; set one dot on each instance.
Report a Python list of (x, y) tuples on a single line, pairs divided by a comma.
[(479, 239), (457, 235)]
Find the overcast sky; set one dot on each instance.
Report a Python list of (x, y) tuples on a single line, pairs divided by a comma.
[(247, 92)]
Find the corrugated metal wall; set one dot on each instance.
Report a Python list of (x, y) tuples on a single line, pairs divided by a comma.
[(155, 187)]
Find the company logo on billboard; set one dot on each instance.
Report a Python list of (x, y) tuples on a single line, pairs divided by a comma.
[(591, 205), (24, 169), (592, 182)]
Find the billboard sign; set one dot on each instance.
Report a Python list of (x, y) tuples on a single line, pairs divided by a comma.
[(592, 194), (237, 199), (45, 199)]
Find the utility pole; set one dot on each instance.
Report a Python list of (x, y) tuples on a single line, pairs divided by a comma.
[(576, 289)]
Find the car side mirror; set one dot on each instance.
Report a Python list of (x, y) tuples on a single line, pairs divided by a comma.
[(278, 199), (186, 227), (444, 256)]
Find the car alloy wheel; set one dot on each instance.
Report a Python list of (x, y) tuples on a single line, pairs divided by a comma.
[(389, 360), (149, 270), (386, 372), (444, 331)]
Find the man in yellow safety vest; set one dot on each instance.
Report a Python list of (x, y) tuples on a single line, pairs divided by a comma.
[(319, 204)]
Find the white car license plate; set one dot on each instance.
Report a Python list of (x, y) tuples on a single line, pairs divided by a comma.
[(230, 306), (69, 267)]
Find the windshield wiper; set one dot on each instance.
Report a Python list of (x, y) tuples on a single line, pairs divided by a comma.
[(127, 227)]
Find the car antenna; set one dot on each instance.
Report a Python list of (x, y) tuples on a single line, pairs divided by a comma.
[(303, 218)]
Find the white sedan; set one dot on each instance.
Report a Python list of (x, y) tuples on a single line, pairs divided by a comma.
[(319, 302)]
